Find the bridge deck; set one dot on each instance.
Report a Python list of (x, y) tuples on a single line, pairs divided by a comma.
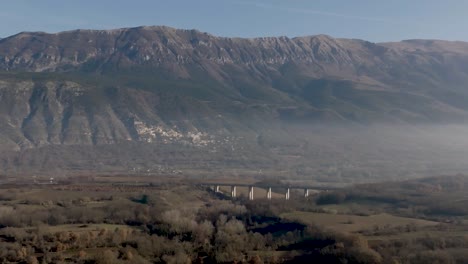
[(265, 186)]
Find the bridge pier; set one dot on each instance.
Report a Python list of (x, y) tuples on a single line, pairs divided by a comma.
[(233, 191), (308, 189)]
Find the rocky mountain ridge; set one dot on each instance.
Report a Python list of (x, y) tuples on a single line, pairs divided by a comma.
[(159, 85), (156, 46)]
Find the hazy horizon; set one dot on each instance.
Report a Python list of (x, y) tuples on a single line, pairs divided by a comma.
[(254, 37), (363, 19)]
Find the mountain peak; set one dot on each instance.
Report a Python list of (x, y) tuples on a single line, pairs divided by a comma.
[(165, 85), (166, 47)]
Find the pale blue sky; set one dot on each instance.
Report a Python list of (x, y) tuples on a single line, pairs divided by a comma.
[(373, 20)]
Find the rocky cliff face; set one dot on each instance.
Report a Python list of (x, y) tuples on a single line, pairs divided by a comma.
[(159, 46), (38, 113), (161, 85), (176, 50)]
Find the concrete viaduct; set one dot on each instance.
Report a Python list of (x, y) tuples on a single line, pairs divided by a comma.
[(287, 194)]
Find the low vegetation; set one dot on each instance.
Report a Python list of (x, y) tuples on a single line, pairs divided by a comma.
[(175, 223)]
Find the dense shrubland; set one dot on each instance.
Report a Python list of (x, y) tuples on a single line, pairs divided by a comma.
[(144, 229), (442, 199), (182, 225)]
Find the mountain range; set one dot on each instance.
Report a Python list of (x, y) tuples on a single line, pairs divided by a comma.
[(66, 97)]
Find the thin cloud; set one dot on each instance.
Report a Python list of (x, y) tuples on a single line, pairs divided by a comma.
[(313, 12)]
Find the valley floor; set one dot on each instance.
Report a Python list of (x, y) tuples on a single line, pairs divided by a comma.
[(176, 221)]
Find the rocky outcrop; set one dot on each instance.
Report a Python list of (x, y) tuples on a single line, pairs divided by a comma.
[(177, 52)]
